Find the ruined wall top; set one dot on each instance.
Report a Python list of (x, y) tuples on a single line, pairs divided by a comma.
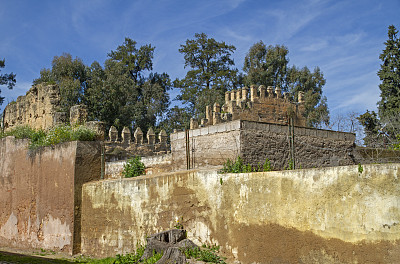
[(39, 108), (260, 104)]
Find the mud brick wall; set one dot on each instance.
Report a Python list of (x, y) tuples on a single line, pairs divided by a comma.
[(323, 215), (40, 193), (313, 148)]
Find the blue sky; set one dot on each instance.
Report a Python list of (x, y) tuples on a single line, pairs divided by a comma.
[(343, 38)]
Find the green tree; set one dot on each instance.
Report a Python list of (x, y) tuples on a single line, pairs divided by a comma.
[(269, 66), (123, 94), (389, 74), (372, 129), (70, 75), (385, 130), (176, 118), (266, 65), (6, 79), (211, 73)]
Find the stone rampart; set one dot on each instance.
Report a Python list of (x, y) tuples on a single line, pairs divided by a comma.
[(260, 105), (41, 193), (325, 215), (118, 148), (154, 164), (254, 142), (39, 109)]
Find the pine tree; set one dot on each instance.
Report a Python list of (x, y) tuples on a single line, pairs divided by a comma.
[(389, 74)]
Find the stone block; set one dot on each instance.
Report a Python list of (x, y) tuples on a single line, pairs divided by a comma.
[(221, 127), (180, 135), (78, 115), (322, 133), (275, 129), (195, 132), (204, 131), (212, 129)]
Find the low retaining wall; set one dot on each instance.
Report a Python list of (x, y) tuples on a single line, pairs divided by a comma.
[(41, 192), (328, 215)]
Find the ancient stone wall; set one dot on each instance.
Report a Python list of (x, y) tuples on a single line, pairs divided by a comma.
[(325, 215), (254, 142), (39, 109), (40, 193), (118, 148), (261, 105), (313, 148), (154, 165)]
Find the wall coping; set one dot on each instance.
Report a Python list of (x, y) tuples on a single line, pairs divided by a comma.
[(268, 127)]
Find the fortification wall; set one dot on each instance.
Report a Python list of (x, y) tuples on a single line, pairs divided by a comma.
[(313, 148), (261, 105), (325, 215), (254, 142), (153, 164), (40, 193), (38, 109)]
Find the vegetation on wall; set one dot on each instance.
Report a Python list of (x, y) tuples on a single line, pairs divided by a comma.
[(238, 166), (57, 134), (134, 167)]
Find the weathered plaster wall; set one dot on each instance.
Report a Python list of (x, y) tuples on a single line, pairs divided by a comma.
[(154, 164), (254, 141), (326, 215), (209, 146), (40, 193)]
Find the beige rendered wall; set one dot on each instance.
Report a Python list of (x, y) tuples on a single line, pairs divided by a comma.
[(209, 146), (37, 189), (325, 215)]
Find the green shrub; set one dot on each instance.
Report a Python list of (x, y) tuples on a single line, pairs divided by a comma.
[(20, 132), (58, 134), (239, 167), (206, 254), (135, 257), (130, 258), (134, 167), (267, 165), (290, 165), (360, 168), (55, 135), (83, 133)]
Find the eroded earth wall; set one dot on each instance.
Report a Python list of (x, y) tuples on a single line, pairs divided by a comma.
[(37, 190), (326, 215), (38, 108)]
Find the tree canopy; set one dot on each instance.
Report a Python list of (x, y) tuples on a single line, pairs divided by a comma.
[(70, 75), (269, 66), (384, 127), (6, 79), (211, 73), (123, 93)]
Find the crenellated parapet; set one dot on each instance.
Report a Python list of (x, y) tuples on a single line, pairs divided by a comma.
[(142, 144), (260, 104)]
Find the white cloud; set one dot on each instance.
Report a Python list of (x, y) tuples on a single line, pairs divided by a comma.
[(316, 46)]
